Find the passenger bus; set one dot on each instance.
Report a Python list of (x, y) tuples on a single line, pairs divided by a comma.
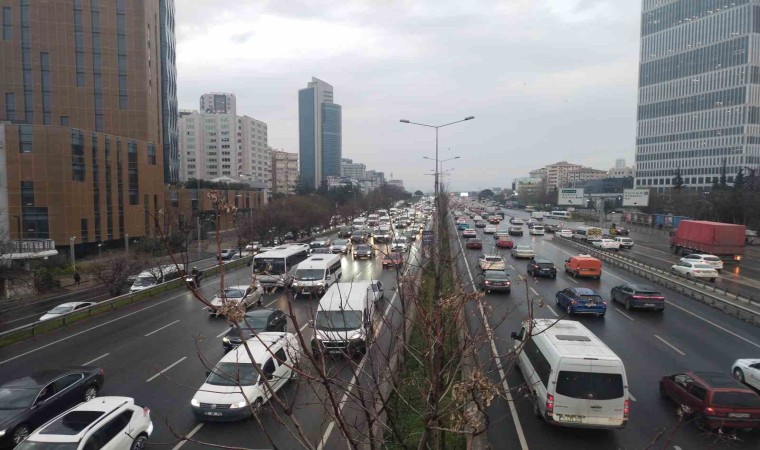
[(560, 215), (271, 268), (587, 234)]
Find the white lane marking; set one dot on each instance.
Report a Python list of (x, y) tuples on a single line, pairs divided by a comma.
[(165, 326), (223, 333), (753, 343), (670, 345), (165, 370), (534, 291), (630, 395), (624, 314), (304, 326), (574, 280), (93, 360), (495, 354), (88, 330), (551, 310), (189, 436), (360, 369)]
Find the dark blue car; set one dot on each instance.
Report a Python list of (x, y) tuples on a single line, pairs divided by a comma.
[(578, 300), (463, 226)]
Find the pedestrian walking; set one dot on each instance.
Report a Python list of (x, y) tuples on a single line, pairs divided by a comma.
[(77, 278)]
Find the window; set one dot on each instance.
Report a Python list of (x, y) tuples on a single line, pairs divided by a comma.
[(152, 154), (64, 121), (281, 356), (698, 392), (47, 115), (538, 361), (587, 385), (66, 381), (84, 230), (25, 138), (10, 106), (110, 430), (268, 369), (134, 198), (27, 193), (77, 155), (7, 24)]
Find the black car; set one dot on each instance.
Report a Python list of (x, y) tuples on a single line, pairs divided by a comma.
[(542, 268), (344, 232), (551, 228), (359, 237), (363, 251), (27, 403), (495, 281), (638, 296), (258, 320)]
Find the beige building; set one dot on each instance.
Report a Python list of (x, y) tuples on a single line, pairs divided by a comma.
[(564, 174), (284, 172)]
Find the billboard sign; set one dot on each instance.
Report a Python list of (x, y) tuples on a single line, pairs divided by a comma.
[(636, 197), (572, 197), (427, 238)]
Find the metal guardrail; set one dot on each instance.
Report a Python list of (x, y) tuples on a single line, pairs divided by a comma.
[(37, 328), (741, 308)]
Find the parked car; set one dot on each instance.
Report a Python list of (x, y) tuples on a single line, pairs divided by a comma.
[(495, 281), (606, 244), (638, 296), (243, 294), (714, 399), (30, 401), (515, 231), (65, 308), (393, 260), (341, 246), (363, 251), (694, 270), (701, 258), (625, 242), (747, 371), (522, 251), (491, 262), (542, 268), (108, 423), (256, 321), (469, 233), (474, 244), (505, 242), (578, 300), (565, 233)]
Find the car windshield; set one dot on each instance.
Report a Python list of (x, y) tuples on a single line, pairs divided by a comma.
[(524, 248), (588, 386), (255, 323), (736, 399), (145, 281), (233, 374), (494, 275), (338, 320), (340, 242), (269, 266), (61, 309), (546, 265), (362, 248), (310, 274), (711, 258), (358, 234), (232, 293), (493, 258), (17, 398)]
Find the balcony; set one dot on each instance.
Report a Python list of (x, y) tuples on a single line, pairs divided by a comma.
[(28, 249)]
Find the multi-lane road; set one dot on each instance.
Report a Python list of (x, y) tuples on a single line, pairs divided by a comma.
[(154, 351), (687, 336)]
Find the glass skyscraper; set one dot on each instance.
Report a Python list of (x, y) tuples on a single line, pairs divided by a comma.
[(320, 133), (699, 91), (169, 111)]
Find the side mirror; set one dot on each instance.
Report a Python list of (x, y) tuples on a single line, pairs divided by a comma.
[(311, 323), (515, 336)]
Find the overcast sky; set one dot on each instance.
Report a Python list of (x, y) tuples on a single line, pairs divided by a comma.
[(547, 80)]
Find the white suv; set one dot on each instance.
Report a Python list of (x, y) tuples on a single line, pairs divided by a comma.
[(105, 423)]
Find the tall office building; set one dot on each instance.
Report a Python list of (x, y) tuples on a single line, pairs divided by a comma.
[(83, 97), (169, 108), (218, 103), (699, 97), (320, 133)]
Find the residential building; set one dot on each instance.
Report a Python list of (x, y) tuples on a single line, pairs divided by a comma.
[(218, 103), (620, 163), (584, 174), (320, 133), (699, 98), (397, 183), (284, 172), (376, 178), (528, 187), (357, 171), (621, 172), (217, 145), (86, 98), (538, 173)]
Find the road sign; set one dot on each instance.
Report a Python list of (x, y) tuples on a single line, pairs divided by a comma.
[(571, 197), (636, 197), (427, 238)]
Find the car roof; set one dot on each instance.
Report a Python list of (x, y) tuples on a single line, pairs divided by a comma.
[(719, 380), (260, 345), (642, 287), (584, 291), (542, 261), (104, 405), (41, 378), (261, 312)]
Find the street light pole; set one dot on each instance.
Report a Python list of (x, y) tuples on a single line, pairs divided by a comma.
[(71, 251)]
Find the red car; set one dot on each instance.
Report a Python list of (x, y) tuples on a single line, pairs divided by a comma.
[(474, 243), (505, 242), (494, 220), (715, 399), (393, 260)]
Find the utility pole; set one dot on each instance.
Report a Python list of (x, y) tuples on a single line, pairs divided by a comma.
[(71, 251), (126, 243)]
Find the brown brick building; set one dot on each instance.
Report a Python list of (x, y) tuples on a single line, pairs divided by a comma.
[(86, 119)]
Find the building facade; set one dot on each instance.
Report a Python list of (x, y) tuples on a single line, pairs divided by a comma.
[(284, 172), (218, 103), (357, 171), (699, 91), (82, 105), (224, 145), (169, 108), (319, 132)]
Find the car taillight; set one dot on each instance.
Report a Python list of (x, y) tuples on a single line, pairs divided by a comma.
[(709, 410), (573, 302), (101, 372), (625, 409), (146, 411), (549, 405), (509, 282), (488, 282)]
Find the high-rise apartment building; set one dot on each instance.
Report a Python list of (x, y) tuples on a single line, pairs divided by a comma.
[(699, 91), (320, 133), (224, 145), (284, 172), (86, 92), (357, 171), (169, 108), (218, 103)]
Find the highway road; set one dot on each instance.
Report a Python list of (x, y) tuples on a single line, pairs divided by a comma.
[(686, 336), (153, 351)]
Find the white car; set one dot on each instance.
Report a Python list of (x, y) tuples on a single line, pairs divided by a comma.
[(625, 242), (747, 371), (516, 221), (522, 251), (65, 308), (711, 260), (108, 423), (253, 247), (606, 244), (399, 245), (565, 233), (491, 262), (537, 230), (243, 294), (489, 229), (694, 270), (469, 233)]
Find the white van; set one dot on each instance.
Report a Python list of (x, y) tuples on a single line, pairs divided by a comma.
[(575, 379), (152, 277), (317, 273), (234, 383), (343, 322), (358, 224), (538, 215)]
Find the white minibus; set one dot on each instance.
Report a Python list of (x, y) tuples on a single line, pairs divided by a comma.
[(317, 273), (271, 268)]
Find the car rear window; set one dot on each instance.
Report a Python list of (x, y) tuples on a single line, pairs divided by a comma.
[(493, 258), (593, 298), (587, 385), (711, 258), (702, 266), (736, 399), (546, 265)]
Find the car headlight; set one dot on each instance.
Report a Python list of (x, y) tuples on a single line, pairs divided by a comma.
[(320, 283), (195, 402), (226, 340), (317, 337), (238, 405), (357, 336), (2, 433)]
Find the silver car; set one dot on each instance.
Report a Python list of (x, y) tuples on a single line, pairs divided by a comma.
[(522, 251), (244, 295)]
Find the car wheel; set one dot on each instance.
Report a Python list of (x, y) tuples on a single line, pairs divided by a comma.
[(21, 433), (569, 310), (90, 393), (688, 275), (627, 304), (712, 280), (575, 274), (140, 443), (739, 375), (556, 301)]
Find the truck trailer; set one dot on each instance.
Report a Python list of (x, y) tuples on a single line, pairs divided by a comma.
[(725, 240)]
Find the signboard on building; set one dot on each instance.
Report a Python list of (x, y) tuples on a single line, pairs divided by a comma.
[(636, 197), (572, 197), (427, 239)]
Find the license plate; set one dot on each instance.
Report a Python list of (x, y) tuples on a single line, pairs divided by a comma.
[(568, 418), (649, 305), (739, 415), (213, 413)]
